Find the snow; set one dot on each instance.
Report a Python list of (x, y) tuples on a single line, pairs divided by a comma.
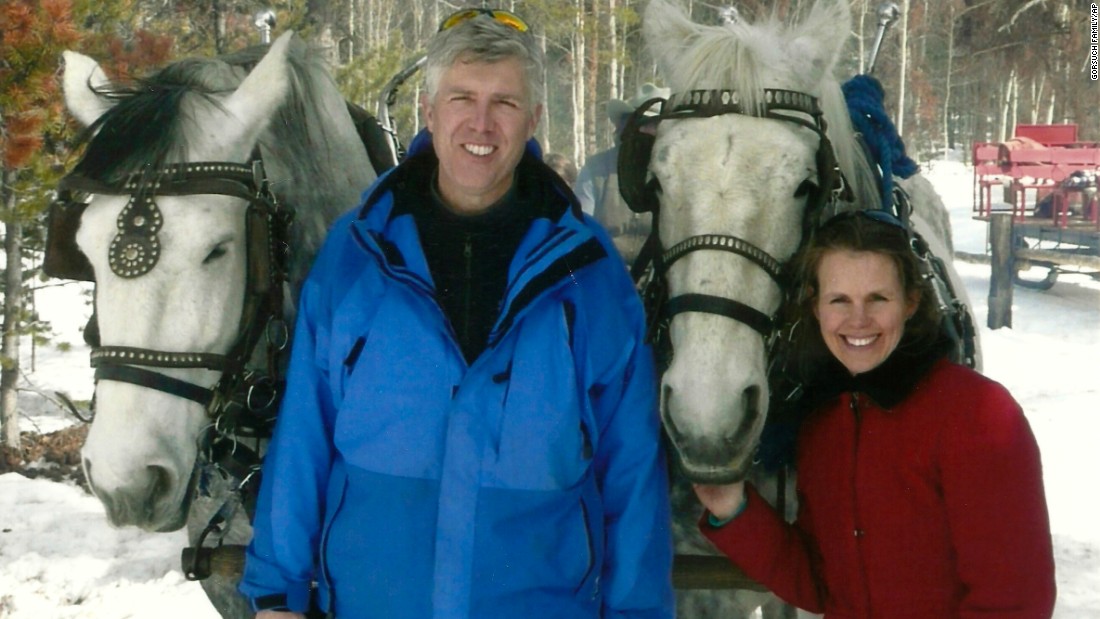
[(60, 558)]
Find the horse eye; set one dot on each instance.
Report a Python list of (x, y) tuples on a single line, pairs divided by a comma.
[(805, 188), (215, 253)]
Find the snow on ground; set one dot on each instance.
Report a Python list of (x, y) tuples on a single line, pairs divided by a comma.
[(60, 559)]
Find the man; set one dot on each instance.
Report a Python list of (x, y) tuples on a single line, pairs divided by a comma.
[(470, 425), (598, 181)]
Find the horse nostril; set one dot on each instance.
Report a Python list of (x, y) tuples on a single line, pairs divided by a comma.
[(161, 482), (159, 486), (750, 399)]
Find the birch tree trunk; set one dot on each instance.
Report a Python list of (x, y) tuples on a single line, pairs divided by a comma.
[(578, 44), (948, 138), (1006, 107), (859, 37), (904, 68), (13, 309), (614, 79), (1015, 101), (219, 10), (544, 126), (592, 75), (1037, 96)]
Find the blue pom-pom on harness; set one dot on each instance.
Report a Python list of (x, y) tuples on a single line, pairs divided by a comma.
[(865, 97)]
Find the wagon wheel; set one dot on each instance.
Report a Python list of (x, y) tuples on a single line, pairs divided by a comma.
[(1044, 284)]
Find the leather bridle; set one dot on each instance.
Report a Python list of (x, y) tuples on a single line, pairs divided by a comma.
[(783, 105), (135, 250)]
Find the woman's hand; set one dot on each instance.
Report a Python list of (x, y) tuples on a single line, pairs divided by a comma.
[(722, 501), (278, 614)]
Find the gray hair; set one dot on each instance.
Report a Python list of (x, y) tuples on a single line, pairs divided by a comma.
[(482, 39)]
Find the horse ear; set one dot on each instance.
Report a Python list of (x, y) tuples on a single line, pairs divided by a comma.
[(262, 91), (815, 37), (667, 28), (82, 81)]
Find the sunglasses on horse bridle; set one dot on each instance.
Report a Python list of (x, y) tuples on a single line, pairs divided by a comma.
[(499, 15)]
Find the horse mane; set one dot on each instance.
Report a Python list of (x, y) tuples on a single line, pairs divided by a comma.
[(748, 57), (147, 128)]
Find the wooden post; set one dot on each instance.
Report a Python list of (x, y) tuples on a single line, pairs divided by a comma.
[(689, 571), (709, 572), (1002, 265)]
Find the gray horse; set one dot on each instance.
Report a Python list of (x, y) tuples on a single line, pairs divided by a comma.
[(174, 248)]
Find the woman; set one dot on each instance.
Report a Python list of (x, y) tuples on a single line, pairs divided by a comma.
[(920, 484)]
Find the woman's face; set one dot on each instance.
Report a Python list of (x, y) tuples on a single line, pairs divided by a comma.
[(861, 307)]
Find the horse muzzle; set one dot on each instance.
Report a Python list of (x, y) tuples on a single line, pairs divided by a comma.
[(714, 453)]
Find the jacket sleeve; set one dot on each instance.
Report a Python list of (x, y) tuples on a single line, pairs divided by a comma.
[(629, 462), (280, 560), (772, 552), (993, 490), (634, 480)]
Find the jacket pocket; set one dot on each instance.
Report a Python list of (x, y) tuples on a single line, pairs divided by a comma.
[(543, 443), (592, 513)]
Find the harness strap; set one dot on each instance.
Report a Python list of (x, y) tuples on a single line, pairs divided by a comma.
[(722, 242), (710, 304), (111, 355), (156, 381), (707, 103), (222, 178)]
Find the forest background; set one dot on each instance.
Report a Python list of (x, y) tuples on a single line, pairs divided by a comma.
[(954, 72)]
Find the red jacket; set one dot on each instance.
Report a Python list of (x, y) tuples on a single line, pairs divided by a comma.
[(931, 509)]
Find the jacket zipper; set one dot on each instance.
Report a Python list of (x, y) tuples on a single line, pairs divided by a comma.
[(857, 531), (591, 564), (467, 294), (325, 580), (406, 277), (546, 248)]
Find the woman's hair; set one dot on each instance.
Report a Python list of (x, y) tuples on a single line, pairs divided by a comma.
[(482, 39), (859, 232)]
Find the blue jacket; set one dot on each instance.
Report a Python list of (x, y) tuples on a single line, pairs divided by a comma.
[(409, 484)]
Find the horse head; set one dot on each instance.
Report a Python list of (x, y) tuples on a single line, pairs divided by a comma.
[(172, 191), (736, 158)]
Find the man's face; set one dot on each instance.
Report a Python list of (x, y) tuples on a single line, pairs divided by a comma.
[(480, 120)]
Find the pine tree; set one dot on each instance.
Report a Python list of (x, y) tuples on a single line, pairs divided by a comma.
[(32, 34)]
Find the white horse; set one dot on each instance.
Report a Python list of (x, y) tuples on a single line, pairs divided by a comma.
[(184, 258), (736, 158)]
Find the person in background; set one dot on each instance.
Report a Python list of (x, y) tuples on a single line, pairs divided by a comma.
[(597, 183), (470, 424), (563, 166), (919, 481)]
